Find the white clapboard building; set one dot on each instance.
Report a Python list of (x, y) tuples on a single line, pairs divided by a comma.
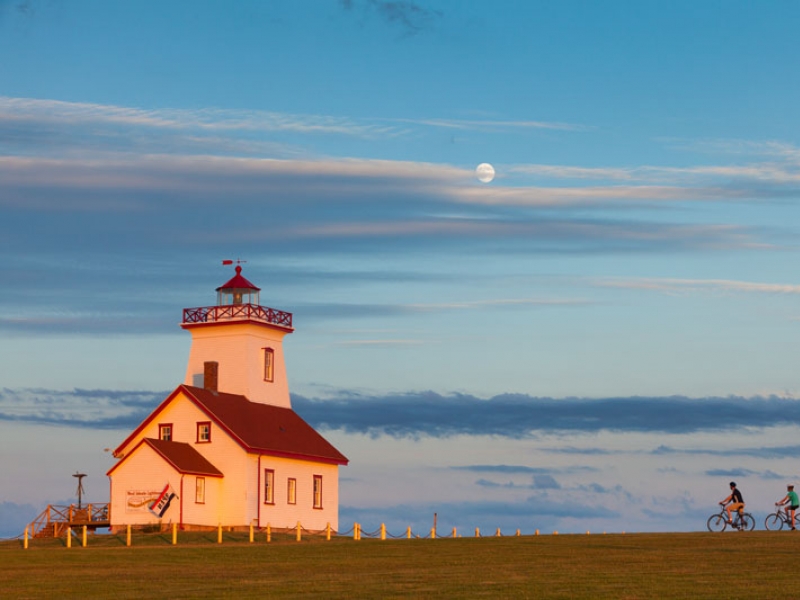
[(226, 448)]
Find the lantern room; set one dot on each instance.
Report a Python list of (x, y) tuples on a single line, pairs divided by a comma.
[(237, 291)]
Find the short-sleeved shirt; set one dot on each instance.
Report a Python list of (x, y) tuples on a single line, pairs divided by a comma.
[(793, 500), (736, 496)]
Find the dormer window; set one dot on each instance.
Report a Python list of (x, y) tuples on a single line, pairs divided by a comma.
[(269, 364)]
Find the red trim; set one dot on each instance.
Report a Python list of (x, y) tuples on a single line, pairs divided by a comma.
[(258, 495), (180, 518), (284, 328)]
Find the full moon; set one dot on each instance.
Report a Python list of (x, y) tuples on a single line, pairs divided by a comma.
[(484, 172)]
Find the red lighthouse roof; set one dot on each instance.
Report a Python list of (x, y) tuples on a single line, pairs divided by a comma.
[(238, 282)]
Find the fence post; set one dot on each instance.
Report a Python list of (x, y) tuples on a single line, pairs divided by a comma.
[(537, 532), (433, 533), (454, 533), (408, 532), (251, 532), (298, 531), (269, 533), (328, 531), (174, 534), (69, 537), (128, 537), (383, 531), (25, 545), (477, 532), (497, 533), (517, 532), (219, 533), (355, 531), (83, 537)]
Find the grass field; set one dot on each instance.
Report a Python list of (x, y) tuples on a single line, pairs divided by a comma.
[(734, 565)]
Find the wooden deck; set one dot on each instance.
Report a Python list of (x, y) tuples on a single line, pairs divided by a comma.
[(55, 519)]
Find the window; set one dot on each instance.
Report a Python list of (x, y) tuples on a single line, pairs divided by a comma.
[(269, 486), (317, 491), (269, 364), (291, 491), (200, 490), (204, 432), (165, 432)]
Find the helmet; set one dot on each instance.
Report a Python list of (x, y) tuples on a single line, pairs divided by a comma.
[(733, 484)]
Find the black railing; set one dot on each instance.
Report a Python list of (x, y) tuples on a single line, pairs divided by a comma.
[(252, 312)]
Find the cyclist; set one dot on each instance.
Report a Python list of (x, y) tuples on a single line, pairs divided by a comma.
[(793, 503), (734, 502)]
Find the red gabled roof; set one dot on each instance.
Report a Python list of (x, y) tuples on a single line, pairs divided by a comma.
[(262, 428), (258, 428), (180, 455), (238, 281)]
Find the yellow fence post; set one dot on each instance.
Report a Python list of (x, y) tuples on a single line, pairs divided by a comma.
[(383, 531), (497, 533), (69, 537), (128, 536), (269, 533), (251, 532), (517, 532), (174, 534), (355, 531), (298, 531), (537, 532), (433, 533), (455, 535), (408, 532), (477, 532), (25, 545), (328, 531), (83, 537), (219, 533)]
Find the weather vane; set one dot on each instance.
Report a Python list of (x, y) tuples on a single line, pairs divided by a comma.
[(230, 262), (80, 477)]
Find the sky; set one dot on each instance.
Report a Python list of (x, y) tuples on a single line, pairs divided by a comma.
[(600, 338)]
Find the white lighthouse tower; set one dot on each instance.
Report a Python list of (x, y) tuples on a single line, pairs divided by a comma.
[(237, 345)]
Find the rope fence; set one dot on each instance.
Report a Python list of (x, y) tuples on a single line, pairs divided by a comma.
[(172, 534)]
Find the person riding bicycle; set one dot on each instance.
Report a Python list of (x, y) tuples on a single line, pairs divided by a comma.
[(734, 502), (793, 503)]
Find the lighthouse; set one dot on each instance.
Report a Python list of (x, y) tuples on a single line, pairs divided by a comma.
[(225, 448), (237, 345)]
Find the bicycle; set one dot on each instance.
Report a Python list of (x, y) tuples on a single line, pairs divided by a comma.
[(742, 521), (777, 520)]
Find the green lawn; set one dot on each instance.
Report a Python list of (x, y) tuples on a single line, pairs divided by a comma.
[(732, 565)]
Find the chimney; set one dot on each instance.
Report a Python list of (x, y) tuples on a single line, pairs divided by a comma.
[(210, 375)]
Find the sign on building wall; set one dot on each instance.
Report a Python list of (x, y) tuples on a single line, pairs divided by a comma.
[(140, 500)]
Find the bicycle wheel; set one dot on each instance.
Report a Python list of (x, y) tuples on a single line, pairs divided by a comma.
[(717, 522), (774, 522), (748, 523)]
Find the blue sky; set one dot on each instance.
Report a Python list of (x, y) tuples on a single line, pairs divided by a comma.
[(600, 338)]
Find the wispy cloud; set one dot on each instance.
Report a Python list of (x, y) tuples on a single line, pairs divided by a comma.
[(695, 285), (418, 414)]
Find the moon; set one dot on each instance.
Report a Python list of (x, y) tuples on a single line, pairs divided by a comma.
[(484, 172)]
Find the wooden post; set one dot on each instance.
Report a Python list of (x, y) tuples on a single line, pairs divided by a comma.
[(517, 532), (269, 533), (477, 532), (328, 531), (25, 544), (83, 537), (408, 532), (128, 537), (355, 531), (251, 532), (497, 533), (174, 534), (69, 537), (454, 533), (383, 531), (298, 531), (219, 533)]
